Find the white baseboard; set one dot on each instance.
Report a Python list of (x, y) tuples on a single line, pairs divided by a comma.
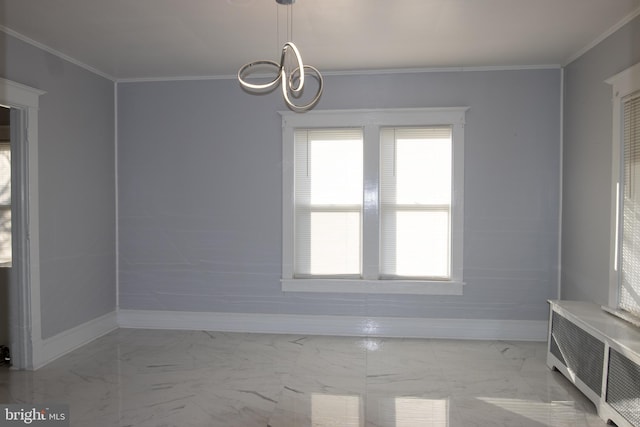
[(477, 329), (58, 345)]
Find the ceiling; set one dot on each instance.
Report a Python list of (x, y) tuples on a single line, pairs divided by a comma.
[(145, 39)]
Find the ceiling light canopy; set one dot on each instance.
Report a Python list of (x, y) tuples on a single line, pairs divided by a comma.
[(290, 73)]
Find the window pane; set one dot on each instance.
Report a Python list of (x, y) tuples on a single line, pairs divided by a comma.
[(335, 243), (5, 175), (336, 172), (629, 295), (5, 235), (5, 203), (421, 244), (423, 171)]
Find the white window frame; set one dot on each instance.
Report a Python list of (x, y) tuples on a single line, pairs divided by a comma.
[(371, 121), (624, 84)]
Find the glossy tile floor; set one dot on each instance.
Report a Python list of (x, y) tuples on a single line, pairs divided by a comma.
[(181, 378)]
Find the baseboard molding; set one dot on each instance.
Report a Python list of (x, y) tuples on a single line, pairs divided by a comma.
[(50, 349), (58, 345), (477, 329)]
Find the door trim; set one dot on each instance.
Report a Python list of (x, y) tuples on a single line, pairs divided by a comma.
[(24, 293)]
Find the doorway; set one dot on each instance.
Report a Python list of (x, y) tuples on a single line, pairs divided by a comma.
[(25, 330)]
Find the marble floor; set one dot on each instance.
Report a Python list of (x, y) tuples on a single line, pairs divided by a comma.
[(193, 378)]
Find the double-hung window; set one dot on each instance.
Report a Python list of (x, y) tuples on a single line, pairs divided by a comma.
[(373, 201), (415, 202), (328, 202), (624, 286)]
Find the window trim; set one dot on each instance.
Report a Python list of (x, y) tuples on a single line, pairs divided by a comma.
[(372, 120), (623, 84)]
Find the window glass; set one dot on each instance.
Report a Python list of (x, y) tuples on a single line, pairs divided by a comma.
[(629, 292), (5, 203), (328, 199), (415, 193)]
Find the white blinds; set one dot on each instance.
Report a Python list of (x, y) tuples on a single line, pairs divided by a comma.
[(328, 202), (415, 202), (629, 294)]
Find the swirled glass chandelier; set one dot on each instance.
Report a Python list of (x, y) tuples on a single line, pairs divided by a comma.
[(292, 79)]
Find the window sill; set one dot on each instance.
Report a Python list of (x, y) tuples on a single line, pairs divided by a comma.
[(360, 286), (624, 315)]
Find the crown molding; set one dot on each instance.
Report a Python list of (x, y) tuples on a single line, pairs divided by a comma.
[(55, 52), (624, 21)]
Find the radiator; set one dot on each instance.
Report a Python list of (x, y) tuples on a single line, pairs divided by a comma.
[(623, 387), (600, 355)]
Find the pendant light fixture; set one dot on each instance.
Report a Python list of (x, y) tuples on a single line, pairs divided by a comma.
[(291, 78)]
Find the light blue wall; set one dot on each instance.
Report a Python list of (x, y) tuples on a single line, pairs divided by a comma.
[(76, 184), (587, 164), (199, 172)]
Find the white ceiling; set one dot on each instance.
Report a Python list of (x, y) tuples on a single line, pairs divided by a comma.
[(128, 39)]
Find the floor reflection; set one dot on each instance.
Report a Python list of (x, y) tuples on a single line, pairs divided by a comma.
[(333, 410), (546, 414), (413, 411), (347, 411)]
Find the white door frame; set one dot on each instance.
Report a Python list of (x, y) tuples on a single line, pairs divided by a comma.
[(24, 293)]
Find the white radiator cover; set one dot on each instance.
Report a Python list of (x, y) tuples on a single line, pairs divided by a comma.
[(600, 355)]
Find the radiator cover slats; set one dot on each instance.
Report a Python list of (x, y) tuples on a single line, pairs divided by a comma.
[(579, 351), (623, 387)]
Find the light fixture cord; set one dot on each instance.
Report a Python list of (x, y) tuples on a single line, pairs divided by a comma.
[(290, 24), (288, 65)]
